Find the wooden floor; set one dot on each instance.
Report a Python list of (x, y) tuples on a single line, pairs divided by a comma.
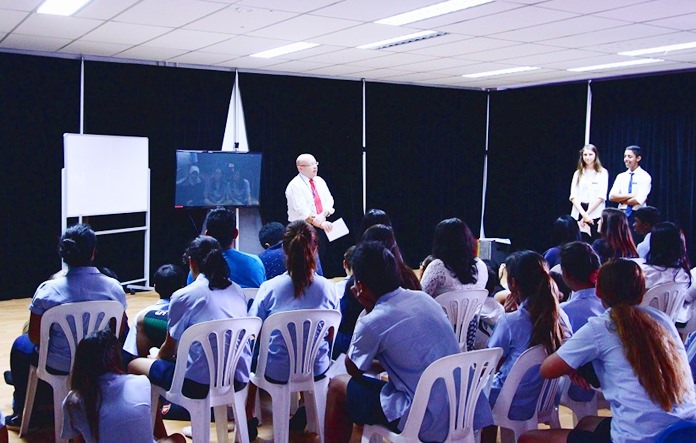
[(14, 315)]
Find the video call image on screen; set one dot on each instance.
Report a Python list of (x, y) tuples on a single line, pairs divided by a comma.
[(217, 178)]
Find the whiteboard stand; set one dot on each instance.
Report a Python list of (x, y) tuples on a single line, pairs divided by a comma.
[(92, 186)]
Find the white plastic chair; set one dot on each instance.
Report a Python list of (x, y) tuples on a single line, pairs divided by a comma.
[(545, 411), (667, 297), (472, 370), (85, 317), (580, 409), (232, 335), (461, 306), (302, 351)]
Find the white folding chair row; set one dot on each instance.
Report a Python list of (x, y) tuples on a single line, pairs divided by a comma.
[(667, 297), (86, 317)]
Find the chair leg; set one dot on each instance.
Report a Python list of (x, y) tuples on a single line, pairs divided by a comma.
[(281, 415), (59, 394), (240, 418), (221, 423), (200, 423), (257, 406), (33, 381)]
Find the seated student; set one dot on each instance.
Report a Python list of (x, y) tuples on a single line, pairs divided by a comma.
[(539, 320), (299, 288), (617, 240), (644, 219), (639, 360), (580, 266), (212, 296), (273, 258), (82, 282), (455, 266), (347, 268), (245, 269), (150, 327), (105, 405), (565, 230), (403, 344)]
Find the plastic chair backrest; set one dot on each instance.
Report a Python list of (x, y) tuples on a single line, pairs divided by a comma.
[(533, 356), (666, 297), (465, 375), (683, 431), (302, 346), (231, 335), (76, 320), (461, 306), (250, 293)]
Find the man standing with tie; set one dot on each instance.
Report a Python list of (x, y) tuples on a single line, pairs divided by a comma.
[(631, 188), (308, 196)]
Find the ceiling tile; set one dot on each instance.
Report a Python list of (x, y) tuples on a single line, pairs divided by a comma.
[(239, 20), (655, 9), (10, 19), (173, 13), (304, 27), (56, 26), (84, 47), (186, 39), (125, 33), (20, 5), (244, 46), (104, 9), (33, 42), (507, 21), (151, 53)]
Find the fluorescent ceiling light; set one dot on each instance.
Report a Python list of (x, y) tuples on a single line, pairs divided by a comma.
[(422, 35), (287, 49), (660, 49), (61, 7), (431, 11), (642, 61), (502, 72)]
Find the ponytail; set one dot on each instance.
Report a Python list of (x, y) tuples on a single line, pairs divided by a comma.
[(652, 351), (300, 245), (207, 254)]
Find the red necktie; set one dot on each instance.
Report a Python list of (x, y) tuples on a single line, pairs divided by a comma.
[(315, 194)]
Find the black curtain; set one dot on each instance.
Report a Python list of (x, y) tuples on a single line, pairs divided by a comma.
[(287, 116), (39, 102), (176, 109), (658, 113), (535, 136), (425, 151)]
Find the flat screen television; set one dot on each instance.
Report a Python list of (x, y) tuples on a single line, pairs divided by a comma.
[(206, 179)]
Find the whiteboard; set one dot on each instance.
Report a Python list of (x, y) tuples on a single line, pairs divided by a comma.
[(105, 174)]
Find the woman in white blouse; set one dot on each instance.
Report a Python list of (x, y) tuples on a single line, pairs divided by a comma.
[(588, 189)]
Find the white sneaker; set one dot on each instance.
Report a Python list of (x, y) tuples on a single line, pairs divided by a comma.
[(189, 433)]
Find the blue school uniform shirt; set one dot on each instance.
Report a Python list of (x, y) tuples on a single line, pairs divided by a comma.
[(84, 283), (407, 331), (197, 303), (278, 295), (635, 418), (582, 305), (512, 332), (690, 345)]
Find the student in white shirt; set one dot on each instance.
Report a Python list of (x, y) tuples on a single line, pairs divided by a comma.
[(588, 189), (632, 187)]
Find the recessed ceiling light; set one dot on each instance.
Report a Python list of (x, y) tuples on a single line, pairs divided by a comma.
[(431, 11), (403, 39), (287, 49), (61, 7), (642, 61), (660, 49), (501, 72)]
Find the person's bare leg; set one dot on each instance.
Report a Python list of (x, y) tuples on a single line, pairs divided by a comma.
[(338, 426), (545, 436), (174, 438), (589, 423)]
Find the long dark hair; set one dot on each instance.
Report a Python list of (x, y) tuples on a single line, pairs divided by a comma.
[(531, 279), (385, 235), (564, 230), (617, 234), (206, 253), (455, 246), (97, 354), (77, 244), (668, 248), (373, 217), (300, 246), (652, 352)]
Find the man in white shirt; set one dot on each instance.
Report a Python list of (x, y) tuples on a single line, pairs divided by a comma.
[(631, 188), (308, 195)]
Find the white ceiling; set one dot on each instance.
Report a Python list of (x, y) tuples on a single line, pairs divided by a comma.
[(554, 35)]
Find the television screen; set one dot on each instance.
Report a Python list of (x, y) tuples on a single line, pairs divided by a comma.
[(217, 178)]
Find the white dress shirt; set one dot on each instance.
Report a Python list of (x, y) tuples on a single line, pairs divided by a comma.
[(591, 186), (301, 201), (642, 183)]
